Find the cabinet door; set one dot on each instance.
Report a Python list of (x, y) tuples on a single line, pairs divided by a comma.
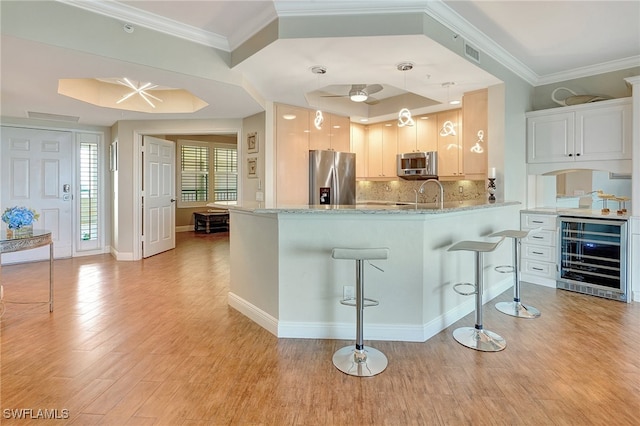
[(603, 133), (407, 137), (374, 145), (339, 133), (449, 147), (389, 150), (382, 149), (359, 147), (427, 133), (319, 138), (475, 135), (292, 155), (550, 138)]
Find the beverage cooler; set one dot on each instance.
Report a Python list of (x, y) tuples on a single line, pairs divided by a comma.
[(593, 257)]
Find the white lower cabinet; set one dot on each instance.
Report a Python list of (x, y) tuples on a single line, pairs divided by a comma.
[(539, 249)]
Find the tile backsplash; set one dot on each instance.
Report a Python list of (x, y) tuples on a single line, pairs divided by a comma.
[(404, 190)]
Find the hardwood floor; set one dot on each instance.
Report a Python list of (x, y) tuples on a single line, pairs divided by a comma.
[(155, 343)]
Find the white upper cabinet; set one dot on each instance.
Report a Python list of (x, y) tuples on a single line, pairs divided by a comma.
[(604, 133), (588, 132)]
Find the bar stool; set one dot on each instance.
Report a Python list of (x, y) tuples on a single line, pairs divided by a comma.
[(515, 308), (477, 337), (358, 360)]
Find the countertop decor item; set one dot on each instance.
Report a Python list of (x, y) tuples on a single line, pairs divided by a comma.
[(604, 198), (491, 189), (19, 221), (19, 217), (574, 98)]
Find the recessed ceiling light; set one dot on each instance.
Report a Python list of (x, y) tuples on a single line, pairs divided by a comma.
[(289, 116), (454, 102), (364, 120)]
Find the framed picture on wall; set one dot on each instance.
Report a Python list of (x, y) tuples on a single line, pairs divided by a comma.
[(252, 142), (252, 167)]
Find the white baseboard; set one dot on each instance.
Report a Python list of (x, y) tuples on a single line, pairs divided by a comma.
[(534, 279), (121, 256), (184, 228), (255, 314), (346, 331)]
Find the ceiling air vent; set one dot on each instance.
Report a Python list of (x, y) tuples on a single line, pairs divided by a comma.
[(472, 53)]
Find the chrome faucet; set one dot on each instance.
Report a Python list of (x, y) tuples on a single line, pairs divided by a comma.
[(421, 191)]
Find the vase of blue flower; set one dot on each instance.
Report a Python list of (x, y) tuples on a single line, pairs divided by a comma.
[(19, 221)]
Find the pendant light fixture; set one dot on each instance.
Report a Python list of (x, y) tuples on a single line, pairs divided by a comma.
[(404, 116), (449, 100), (318, 70), (448, 127)]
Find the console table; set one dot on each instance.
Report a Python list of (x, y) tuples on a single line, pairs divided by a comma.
[(38, 238), (211, 221)]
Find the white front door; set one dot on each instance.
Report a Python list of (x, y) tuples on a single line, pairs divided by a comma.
[(37, 172), (159, 219)]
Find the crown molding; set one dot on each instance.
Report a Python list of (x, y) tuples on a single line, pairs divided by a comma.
[(435, 8), (456, 23), (617, 65), (132, 15), (352, 7)]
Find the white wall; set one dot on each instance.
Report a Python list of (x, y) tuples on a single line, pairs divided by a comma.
[(253, 188), (128, 179)]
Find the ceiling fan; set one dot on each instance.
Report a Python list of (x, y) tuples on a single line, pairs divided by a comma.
[(360, 93)]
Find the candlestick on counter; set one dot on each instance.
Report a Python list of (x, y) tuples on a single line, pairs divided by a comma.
[(491, 188)]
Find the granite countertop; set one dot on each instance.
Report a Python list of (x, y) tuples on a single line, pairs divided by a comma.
[(578, 212), (364, 207)]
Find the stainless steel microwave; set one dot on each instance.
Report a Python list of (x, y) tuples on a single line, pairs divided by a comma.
[(418, 165)]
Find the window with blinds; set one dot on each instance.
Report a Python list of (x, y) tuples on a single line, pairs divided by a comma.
[(194, 182), (88, 191), (225, 166), (208, 172)]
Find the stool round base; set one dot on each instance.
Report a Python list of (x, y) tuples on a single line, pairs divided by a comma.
[(480, 340), (365, 363), (517, 309)]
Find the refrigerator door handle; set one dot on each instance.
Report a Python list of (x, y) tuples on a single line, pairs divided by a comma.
[(335, 197)]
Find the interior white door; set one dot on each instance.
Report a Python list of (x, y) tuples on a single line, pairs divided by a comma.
[(37, 173), (159, 219)]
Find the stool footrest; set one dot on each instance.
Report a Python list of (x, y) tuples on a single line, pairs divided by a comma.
[(465, 293), (367, 302), (504, 269)]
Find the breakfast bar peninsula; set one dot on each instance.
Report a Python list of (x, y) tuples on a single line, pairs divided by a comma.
[(284, 279)]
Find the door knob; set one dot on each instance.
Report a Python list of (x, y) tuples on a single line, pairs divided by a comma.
[(173, 200)]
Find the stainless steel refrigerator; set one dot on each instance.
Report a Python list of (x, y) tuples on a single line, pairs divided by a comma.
[(332, 177)]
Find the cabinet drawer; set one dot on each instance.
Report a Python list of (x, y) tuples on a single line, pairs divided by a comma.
[(542, 269), (539, 253), (545, 221), (543, 238)]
